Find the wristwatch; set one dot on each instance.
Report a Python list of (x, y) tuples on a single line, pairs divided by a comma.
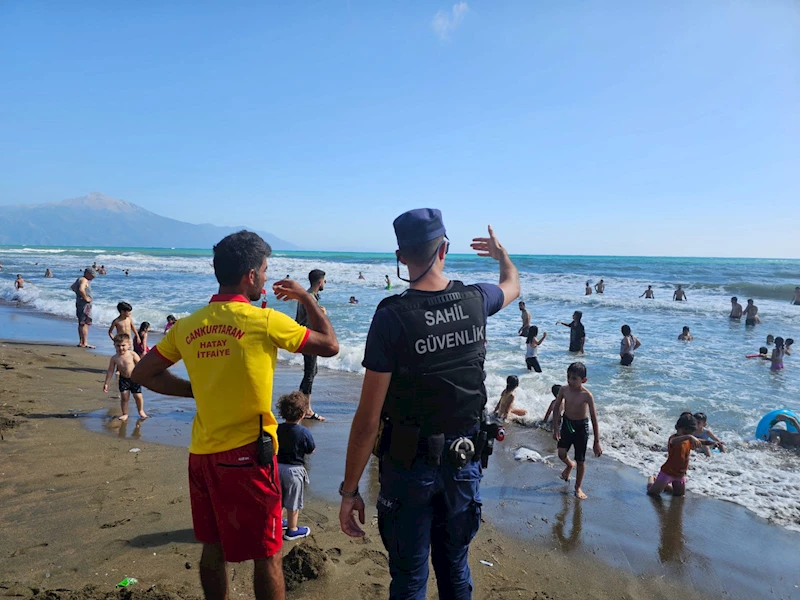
[(344, 494)]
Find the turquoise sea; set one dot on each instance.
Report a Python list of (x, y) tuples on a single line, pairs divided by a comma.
[(637, 406)]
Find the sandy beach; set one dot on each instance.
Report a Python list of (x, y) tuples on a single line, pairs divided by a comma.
[(84, 509)]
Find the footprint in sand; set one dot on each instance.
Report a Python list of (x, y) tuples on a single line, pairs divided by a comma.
[(21, 551), (372, 591), (379, 558), (114, 524), (316, 517)]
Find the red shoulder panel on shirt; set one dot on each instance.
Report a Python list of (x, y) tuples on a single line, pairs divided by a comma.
[(303, 343), (161, 356)]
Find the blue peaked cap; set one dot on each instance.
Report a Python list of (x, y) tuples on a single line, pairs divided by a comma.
[(418, 226)]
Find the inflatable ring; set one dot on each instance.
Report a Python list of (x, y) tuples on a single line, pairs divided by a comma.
[(769, 419)]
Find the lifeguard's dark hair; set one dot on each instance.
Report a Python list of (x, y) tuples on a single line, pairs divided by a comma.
[(236, 254), (293, 406)]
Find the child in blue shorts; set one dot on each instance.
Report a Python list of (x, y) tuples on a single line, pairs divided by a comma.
[(294, 443)]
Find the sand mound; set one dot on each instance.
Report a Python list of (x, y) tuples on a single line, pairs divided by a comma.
[(303, 563)]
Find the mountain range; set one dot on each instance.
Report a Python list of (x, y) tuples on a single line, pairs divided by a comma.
[(97, 220)]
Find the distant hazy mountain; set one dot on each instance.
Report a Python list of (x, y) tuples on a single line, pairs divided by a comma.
[(97, 220)]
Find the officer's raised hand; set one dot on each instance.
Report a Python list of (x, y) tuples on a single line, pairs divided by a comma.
[(347, 517), (489, 246)]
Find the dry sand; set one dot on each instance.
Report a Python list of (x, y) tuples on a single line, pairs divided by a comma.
[(81, 511)]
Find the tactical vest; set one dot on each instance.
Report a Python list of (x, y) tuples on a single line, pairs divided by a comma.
[(437, 384)]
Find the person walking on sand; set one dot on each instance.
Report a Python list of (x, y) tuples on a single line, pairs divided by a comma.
[(316, 279), (230, 349), (572, 428), (736, 310), (526, 320), (679, 295), (648, 293), (429, 397), (83, 305)]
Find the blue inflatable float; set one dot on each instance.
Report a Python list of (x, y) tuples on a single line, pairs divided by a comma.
[(769, 420)]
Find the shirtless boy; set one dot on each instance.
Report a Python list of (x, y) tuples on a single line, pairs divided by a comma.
[(124, 323), (19, 283), (124, 361), (648, 293), (679, 295), (751, 314), (572, 428), (526, 320), (736, 309)]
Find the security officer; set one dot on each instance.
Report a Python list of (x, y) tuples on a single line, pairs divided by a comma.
[(423, 389)]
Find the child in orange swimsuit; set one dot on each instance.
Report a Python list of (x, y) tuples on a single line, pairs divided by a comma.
[(672, 477)]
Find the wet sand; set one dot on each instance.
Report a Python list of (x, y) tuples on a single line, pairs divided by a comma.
[(79, 508)]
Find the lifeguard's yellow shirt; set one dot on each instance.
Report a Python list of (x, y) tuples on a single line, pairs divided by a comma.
[(230, 348)]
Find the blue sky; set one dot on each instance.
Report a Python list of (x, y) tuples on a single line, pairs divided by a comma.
[(606, 127)]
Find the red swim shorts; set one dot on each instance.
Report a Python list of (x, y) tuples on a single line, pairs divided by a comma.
[(237, 503)]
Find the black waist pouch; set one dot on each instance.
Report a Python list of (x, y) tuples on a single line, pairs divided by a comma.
[(403, 443), (265, 447)]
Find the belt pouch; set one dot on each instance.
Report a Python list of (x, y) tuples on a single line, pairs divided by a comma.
[(403, 444), (265, 446), (435, 450), (382, 440)]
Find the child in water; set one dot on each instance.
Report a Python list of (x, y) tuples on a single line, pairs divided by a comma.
[(171, 320), (685, 336), (532, 348), (787, 349), (555, 389), (703, 433), (503, 408), (777, 355), (672, 477), (140, 346)]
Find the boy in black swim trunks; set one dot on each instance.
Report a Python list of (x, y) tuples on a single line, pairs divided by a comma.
[(572, 428), (124, 361)]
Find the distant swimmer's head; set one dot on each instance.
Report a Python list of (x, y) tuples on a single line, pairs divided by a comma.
[(685, 330), (316, 277), (701, 418), (789, 342), (626, 330), (576, 375), (522, 306), (124, 307), (577, 315), (763, 350), (421, 242), (649, 287), (512, 382), (770, 339), (555, 389), (779, 342), (734, 300), (240, 263), (686, 424), (588, 283), (749, 301)]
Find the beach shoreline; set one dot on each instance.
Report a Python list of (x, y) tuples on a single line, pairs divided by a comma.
[(538, 537)]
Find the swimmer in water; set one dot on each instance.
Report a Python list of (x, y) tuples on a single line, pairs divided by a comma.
[(784, 437), (751, 314), (685, 336), (19, 283), (504, 405), (588, 288), (353, 300), (679, 295), (600, 287), (648, 293), (48, 273), (388, 282), (770, 339), (736, 309), (360, 275), (795, 300), (777, 355)]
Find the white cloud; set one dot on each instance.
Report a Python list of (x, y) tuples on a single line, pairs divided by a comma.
[(444, 23)]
